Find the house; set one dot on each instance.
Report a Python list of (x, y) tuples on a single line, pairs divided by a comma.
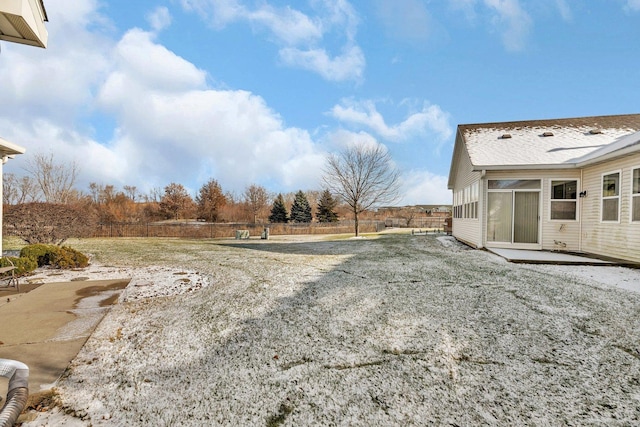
[(22, 21), (564, 184)]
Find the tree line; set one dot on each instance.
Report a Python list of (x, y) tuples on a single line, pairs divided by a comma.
[(355, 180)]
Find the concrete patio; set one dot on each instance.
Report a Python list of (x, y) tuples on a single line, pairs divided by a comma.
[(547, 257)]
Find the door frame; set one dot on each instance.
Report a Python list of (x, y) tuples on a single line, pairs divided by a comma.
[(512, 244)]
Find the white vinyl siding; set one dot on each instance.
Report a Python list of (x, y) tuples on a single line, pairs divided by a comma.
[(613, 239), (466, 224)]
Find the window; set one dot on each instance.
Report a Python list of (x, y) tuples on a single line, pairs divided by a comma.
[(514, 184), (635, 195), (611, 197), (457, 202), (564, 196), (465, 202)]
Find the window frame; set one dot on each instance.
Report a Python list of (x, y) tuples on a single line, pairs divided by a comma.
[(465, 202), (617, 197), (632, 196), (551, 199)]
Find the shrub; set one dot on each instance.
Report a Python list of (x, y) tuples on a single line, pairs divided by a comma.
[(67, 257), (48, 223), (40, 253), (55, 256), (23, 265)]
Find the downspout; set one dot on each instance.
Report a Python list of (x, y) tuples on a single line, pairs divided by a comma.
[(581, 209), (4, 160), (481, 207)]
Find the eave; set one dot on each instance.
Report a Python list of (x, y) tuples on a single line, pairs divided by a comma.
[(22, 21), (9, 148)]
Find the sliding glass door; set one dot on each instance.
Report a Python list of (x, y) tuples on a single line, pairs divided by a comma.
[(525, 216), (499, 223), (513, 211)]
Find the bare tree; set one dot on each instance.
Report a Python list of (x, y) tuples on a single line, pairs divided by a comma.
[(256, 198), (363, 177), (154, 196), (55, 181), (18, 190), (9, 189), (131, 191)]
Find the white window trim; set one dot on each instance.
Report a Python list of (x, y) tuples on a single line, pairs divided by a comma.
[(632, 196), (551, 200), (602, 198), (463, 202), (513, 191)]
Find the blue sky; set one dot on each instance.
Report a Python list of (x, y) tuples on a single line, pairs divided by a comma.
[(147, 93)]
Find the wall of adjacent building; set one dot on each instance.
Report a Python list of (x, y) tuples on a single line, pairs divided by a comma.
[(617, 240), (555, 234), (467, 229)]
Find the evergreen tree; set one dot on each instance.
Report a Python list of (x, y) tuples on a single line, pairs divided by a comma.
[(326, 206), (279, 211), (300, 210)]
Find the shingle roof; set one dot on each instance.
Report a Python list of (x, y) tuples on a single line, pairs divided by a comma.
[(547, 142)]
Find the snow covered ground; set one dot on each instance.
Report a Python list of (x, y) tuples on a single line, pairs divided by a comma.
[(398, 330)]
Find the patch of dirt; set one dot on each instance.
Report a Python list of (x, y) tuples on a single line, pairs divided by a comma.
[(96, 290)]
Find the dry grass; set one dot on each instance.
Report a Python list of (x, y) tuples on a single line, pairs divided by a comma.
[(395, 330)]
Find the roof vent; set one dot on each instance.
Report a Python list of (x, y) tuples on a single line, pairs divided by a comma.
[(545, 134), (595, 131), (506, 136)]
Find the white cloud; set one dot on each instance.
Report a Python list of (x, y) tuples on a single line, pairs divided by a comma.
[(290, 26), (514, 22), (218, 13), (347, 66), (300, 37), (406, 19), (341, 139), (466, 6), (565, 10), (424, 188), (53, 82), (633, 5), (508, 18), (430, 119), (341, 16), (163, 123), (153, 65), (96, 162), (172, 127), (159, 19)]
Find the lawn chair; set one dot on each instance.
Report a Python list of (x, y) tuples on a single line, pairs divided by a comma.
[(12, 279), (17, 392)]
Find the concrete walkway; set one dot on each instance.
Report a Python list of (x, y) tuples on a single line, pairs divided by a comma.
[(546, 257), (46, 327)]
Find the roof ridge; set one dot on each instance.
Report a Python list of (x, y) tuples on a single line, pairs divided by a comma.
[(566, 121)]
